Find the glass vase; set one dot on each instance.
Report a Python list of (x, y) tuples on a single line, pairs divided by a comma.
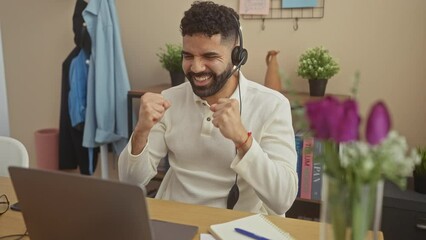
[(350, 211)]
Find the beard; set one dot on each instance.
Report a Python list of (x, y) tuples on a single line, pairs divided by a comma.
[(217, 83)]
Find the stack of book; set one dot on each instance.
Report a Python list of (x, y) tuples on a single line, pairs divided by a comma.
[(309, 166)]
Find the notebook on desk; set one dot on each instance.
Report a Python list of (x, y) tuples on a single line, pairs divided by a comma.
[(252, 227), (58, 205)]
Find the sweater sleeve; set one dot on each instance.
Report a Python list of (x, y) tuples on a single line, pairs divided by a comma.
[(270, 164), (140, 169)]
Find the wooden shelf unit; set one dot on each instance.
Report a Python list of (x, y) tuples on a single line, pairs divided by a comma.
[(302, 208)]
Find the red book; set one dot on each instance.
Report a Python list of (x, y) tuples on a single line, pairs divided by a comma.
[(307, 167)]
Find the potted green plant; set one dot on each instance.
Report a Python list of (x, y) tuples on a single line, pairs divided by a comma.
[(317, 65), (171, 60), (420, 172)]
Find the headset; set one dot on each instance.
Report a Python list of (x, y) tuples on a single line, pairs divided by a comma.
[(239, 57), (239, 54)]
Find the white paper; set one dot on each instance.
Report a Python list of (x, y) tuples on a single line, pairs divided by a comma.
[(206, 236), (254, 7)]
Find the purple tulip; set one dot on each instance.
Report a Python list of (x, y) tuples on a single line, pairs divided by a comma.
[(316, 118), (378, 124), (348, 128), (331, 119), (335, 114), (317, 114)]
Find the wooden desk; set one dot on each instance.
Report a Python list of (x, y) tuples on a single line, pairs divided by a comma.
[(12, 222)]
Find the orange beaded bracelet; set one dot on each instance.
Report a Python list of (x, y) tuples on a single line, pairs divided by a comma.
[(242, 144)]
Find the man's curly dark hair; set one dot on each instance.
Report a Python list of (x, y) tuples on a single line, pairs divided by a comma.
[(209, 18)]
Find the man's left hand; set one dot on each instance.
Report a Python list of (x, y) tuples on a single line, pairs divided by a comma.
[(226, 117)]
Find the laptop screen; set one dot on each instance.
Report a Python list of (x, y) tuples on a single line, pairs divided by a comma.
[(58, 205)]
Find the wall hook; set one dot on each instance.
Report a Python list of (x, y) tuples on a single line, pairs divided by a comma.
[(263, 24), (296, 24)]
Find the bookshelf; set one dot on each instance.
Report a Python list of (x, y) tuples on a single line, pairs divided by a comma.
[(309, 170)]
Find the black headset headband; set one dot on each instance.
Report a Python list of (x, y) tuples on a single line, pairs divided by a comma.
[(239, 53)]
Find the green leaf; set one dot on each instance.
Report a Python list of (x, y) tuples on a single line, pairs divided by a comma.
[(171, 57)]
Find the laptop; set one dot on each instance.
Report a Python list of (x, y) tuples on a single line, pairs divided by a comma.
[(58, 205)]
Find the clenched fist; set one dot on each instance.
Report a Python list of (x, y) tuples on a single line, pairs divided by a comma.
[(151, 110), (226, 117)]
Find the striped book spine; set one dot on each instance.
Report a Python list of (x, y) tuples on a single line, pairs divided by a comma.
[(307, 166)]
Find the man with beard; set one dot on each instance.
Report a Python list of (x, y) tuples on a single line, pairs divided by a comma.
[(229, 141)]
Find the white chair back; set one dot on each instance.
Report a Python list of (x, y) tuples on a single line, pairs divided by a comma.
[(12, 153)]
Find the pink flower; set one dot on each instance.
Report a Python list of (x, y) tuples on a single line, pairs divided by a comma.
[(331, 119), (378, 124)]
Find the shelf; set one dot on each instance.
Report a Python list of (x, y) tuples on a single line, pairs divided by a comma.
[(297, 100), (305, 209), (308, 201)]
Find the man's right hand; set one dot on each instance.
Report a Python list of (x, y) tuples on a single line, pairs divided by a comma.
[(151, 110)]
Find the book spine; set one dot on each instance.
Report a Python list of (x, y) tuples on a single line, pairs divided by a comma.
[(307, 157), (317, 169), (299, 148)]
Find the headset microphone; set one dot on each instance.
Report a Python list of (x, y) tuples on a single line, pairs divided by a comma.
[(239, 57), (239, 54)]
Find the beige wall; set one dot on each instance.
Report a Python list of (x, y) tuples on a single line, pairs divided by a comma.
[(385, 40)]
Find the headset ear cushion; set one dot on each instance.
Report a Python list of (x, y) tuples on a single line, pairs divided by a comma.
[(239, 56), (243, 56), (235, 55)]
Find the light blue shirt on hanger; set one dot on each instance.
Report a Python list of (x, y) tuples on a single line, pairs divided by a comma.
[(108, 81)]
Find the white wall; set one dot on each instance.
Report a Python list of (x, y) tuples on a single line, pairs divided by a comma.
[(384, 40)]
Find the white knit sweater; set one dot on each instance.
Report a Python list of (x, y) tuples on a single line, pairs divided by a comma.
[(203, 163)]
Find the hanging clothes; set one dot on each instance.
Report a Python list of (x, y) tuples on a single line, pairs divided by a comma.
[(72, 154), (78, 89), (108, 82)]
